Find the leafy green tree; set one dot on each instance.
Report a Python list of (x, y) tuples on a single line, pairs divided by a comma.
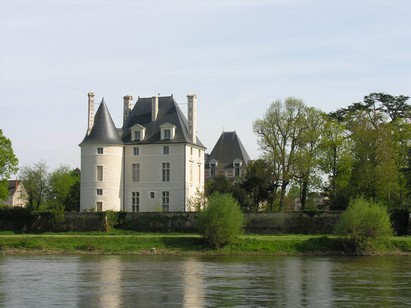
[(281, 132), (335, 160), (60, 182), (72, 202), (8, 164), (221, 184), (306, 167), (35, 180), (364, 222), (260, 183), (221, 222)]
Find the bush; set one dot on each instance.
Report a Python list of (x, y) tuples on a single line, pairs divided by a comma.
[(221, 222), (364, 223)]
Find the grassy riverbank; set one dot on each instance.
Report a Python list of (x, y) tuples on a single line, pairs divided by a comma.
[(183, 244)]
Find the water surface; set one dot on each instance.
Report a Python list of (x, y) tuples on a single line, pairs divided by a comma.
[(172, 281)]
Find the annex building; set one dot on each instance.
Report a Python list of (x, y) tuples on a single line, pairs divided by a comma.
[(154, 162)]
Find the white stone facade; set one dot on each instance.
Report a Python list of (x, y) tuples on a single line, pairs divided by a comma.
[(161, 170)]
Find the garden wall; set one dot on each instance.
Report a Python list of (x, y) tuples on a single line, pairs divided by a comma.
[(293, 222)]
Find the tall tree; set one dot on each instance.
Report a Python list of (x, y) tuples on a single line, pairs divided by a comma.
[(280, 133), (35, 180), (8, 164), (260, 182), (306, 166), (335, 160), (60, 182)]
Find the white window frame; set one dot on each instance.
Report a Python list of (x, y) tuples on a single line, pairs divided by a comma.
[(99, 191), (100, 150), (135, 201), (136, 151), (100, 173), (166, 201), (168, 131), (165, 172), (166, 150), (135, 172)]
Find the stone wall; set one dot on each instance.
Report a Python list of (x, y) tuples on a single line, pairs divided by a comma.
[(292, 222)]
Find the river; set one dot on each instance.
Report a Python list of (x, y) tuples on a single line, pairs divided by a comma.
[(175, 281)]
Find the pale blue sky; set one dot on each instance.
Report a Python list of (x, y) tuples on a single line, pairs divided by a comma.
[(237, 56)]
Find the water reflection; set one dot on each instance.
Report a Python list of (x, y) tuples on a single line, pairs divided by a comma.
[(153, 281)]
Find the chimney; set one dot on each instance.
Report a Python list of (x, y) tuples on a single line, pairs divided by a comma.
[(192, 118), (154, 108), (90, 112), (127, 107)]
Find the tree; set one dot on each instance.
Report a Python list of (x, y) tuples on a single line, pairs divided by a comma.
[(35, 180), (280, 133), (72, 202), (221, 222), (364, 222), (8, 164), (306, 165), (60, 182), (336, 160), (260, 182)]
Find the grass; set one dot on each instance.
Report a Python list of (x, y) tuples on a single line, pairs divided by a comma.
[(121, 242)]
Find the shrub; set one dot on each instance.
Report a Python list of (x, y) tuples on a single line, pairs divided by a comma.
[(364, 223), (222, 220)]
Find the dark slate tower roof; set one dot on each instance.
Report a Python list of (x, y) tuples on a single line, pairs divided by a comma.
[(168, 112), (104, 131), (228, 148)]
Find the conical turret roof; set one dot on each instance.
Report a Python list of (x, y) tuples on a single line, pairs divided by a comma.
[(103, 131), (228, 148)]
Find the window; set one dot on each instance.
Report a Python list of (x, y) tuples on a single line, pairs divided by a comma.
[(99, 192), (213, 165), (166, 172), (191, 151), (237, 170), (152, 195), (137, 133), (166, 201), (99, 173), (199, 174), (99, 206), (237, 165), (166, 150), (135, 201), (99, 150), (136, 151), (212, 170), (136, 172), (168, 131), (167, 134)]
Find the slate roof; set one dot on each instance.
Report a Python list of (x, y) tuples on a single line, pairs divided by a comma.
[(104, 131), (168, 112), (13, 184), (228, 148)]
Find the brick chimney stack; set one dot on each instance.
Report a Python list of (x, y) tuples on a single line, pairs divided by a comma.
[(154, 108), (90, 112), (128, 99), (192, 118)]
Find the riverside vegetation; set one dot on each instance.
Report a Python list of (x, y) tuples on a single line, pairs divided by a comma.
[(363, 229)]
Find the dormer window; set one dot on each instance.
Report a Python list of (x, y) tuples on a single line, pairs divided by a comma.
[(138, 133), (213, 165), (168, 131), (237, 163), (167, 134)]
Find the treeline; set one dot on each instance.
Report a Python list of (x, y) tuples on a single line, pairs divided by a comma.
[(58, 190), (363, 150)]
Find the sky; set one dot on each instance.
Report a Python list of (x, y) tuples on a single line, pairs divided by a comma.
[(237, 56)]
